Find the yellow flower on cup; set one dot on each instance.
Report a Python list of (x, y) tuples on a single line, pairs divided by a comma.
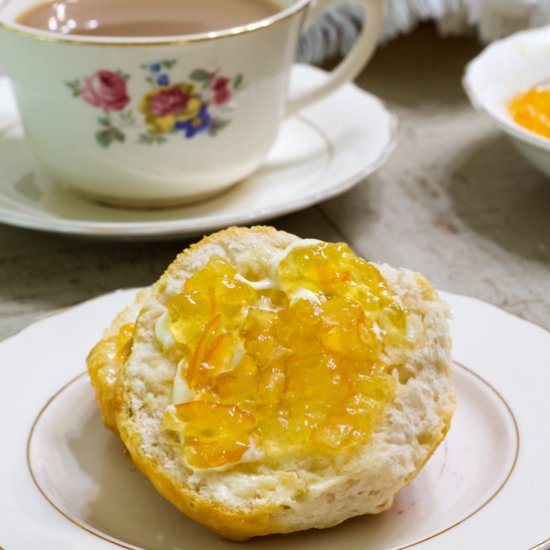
[(165, 106)]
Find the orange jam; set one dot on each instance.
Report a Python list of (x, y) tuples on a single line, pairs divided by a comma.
[(112, 352), (292, 370), (531, 110)]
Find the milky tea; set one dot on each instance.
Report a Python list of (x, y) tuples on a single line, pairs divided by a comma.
[(144, 17)]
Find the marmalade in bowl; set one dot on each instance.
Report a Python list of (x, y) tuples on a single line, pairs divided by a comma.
[(531, 109)]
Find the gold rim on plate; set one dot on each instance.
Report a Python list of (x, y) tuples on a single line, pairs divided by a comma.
[(121, 544)]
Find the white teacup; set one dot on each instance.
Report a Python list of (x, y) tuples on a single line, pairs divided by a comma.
[(159, 121)]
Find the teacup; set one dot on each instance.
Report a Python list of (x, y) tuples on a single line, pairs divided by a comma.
[(156, 121)]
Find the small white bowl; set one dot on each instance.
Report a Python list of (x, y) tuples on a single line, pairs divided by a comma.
[(504, 69)]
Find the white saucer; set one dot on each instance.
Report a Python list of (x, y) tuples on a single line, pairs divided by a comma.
[(320, 153), (485, 487)]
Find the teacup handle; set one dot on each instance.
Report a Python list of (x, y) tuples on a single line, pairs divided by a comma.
[(354, 61)]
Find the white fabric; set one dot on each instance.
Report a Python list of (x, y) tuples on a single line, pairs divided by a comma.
[(334, 33)]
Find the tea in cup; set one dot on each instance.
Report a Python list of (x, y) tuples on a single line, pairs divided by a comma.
[(161, 103)]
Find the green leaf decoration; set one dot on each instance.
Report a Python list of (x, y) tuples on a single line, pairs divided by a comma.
[(74, 86), (218, 124), (200, 75), (104, 121), (127, 117), (147, 138), (237, 81), (124, 75), (169, 63), (118, 135), (150, 80), (144, 66), (107, 136), (104, 138)]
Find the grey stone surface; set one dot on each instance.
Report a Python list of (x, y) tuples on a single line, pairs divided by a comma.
[(455, 201)]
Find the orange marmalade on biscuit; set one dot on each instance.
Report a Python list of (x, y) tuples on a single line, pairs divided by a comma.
[(293, 364), (531, 110)]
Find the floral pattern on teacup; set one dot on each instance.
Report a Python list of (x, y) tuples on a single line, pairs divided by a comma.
[(197, 104)]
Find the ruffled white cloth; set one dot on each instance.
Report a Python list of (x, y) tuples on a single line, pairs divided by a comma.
[(334, 33)]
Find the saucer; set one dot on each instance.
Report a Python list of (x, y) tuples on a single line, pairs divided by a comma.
[(66, 482), (323, 151)]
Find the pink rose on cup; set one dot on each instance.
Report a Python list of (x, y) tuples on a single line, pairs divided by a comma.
[(221, 97), (166, 106), (222, 93), (220, 83), (170, 101), (106, 90)]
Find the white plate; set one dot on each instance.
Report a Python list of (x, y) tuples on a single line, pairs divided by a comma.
[(486, 486), (320, 153)]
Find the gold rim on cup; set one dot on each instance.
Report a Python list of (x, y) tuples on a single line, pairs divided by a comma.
[(79, 40)]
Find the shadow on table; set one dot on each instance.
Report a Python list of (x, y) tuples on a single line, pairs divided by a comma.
[(500, 196)]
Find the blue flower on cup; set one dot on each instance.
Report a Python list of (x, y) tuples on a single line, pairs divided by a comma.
[(163, 80), (193, 126), (155, 67)]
